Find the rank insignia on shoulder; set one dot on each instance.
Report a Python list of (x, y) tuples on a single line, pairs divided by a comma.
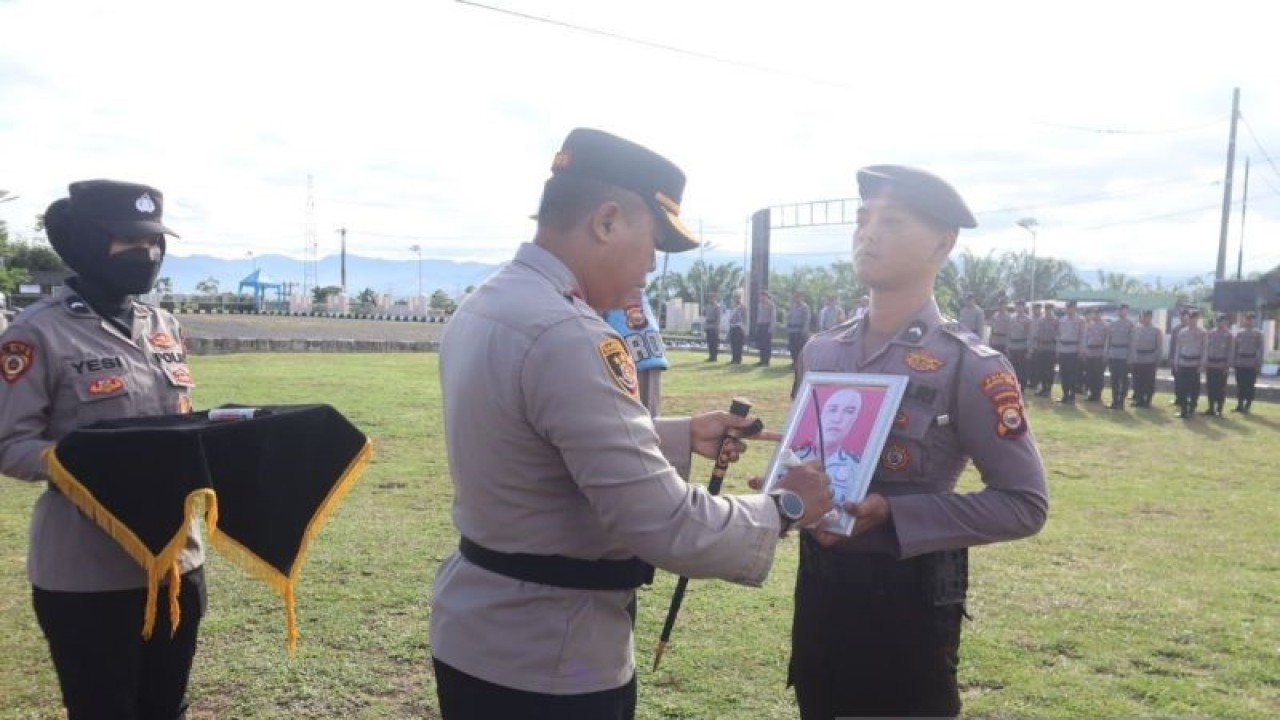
[(621, 367), (15, 360), (922, 361)]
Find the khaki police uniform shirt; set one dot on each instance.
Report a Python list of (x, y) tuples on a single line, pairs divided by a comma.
[(551, 454), (1192, 343), (1119, 339), (1147, 345), (963, 401), (768, 314), (972, 317), (1046, 333), (66, 367), (1070, 335), (1000, 323), (1217, 352), (738, 317), (798, 318), (1247, 349), (1095, 340), (1019, 333)]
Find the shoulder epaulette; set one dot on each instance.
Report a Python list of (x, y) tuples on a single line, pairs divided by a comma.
[(968, 339)]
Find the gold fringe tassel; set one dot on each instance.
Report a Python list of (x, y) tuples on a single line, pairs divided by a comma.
[(284, 585), (154, 566)]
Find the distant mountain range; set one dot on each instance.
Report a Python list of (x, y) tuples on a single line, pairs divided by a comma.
[(398, 278)]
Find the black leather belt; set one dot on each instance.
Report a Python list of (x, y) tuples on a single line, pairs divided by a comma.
[(1119, 347), (560, 571)]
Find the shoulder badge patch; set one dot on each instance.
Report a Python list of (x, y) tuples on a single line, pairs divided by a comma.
[(922, 361), (617, 359), (107, 385), (895, 457), (15, 360), (1006, 396)]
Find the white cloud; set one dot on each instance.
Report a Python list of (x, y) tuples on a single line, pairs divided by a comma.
[(434, 122)]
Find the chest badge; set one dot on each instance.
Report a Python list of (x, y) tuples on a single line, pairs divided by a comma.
[(922, 361), (621, 367), (162, 340), (182, 376), (15, 360), (106, 386), (895, 457)]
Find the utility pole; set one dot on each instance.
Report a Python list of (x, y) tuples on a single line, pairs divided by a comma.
[(1220, 273), (342, 232), (1244, 208)]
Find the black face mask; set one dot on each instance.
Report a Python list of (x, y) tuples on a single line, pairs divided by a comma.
[(132, 272)]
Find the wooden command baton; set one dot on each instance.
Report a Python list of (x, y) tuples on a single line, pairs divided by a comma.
[(740, 408)]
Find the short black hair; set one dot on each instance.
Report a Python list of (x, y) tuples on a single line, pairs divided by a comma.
[(567, 199)]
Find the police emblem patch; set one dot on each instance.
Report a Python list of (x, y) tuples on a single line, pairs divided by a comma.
[(922, 361), (635, 317), (182, 376), (107, 385), (1013, 422), (15, 360), (145, 204), (895, 457), (1006, 396), (620, 366), (162, 340)]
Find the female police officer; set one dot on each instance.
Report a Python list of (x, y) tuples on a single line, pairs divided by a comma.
[(92, 352)]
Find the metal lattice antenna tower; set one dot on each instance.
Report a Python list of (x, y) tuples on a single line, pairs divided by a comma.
[(309, 260)]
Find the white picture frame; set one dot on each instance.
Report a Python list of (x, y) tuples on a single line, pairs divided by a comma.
[(852, 411)]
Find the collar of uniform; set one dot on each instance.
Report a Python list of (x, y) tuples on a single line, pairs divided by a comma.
[(549, 266), (73, 304), (925, 320)]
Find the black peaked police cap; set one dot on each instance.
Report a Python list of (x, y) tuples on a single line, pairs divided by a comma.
[(126, 210), (923, 193), (597, 155)]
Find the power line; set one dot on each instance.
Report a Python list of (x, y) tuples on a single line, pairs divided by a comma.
[(652, 44), (1121, 131), (1265, 155)]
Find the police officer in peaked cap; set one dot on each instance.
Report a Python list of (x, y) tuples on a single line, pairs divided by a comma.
[(566, 492), (877, 616), (94, 352)]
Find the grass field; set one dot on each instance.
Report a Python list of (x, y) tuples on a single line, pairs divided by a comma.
[(1154, 591)]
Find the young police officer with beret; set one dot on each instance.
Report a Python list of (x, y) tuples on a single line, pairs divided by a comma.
[(564, 488), (877, 615), (92, 352)]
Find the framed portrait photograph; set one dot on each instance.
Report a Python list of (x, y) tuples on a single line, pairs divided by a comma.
[(841, 419)]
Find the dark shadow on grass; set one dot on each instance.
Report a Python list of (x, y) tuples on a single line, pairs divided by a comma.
[(1256, 420), (1206, 426)]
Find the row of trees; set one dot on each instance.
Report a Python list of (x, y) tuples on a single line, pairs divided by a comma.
[(992, 279), (20, 257)]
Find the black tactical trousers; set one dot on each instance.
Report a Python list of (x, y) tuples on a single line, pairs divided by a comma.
[(1018, 359), (1119, 380), (1144, 382), (713, 343), (466, 697), (873, 649), (1042, 362), (737, 338), (106, 670), (1246, 382), (764, 342), (1187, 380), (795, 343), (1069, 374), (1216, 386)]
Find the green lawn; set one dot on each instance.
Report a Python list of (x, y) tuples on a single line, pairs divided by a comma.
[(1154, 591)]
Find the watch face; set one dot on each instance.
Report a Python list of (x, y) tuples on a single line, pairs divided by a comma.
[(792, 505)]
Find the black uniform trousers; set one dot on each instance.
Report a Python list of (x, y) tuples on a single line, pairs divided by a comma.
[(1069, 374), (737, 338), (795, 343), (1189, 380), (466, 697), (1246, 383), (1119, 370), (764, 341), (1093, 375), (713, 343), (106, 670), (1215, 381), (880, 649), (1144, 382), (1018, 359), (1042, 362)]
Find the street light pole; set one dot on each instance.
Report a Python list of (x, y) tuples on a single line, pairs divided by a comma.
[(1029, 224), (418, 249)]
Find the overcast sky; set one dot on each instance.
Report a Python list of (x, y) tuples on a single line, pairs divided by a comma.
[(434, 122)]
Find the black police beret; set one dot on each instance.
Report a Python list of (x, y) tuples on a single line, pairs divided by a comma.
[(595, 154), (920, 192), (125, 210)]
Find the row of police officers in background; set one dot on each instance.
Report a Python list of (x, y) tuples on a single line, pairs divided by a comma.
[(1081, 350)]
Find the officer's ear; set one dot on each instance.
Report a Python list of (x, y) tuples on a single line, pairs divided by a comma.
[(947, 243), (605, 220)]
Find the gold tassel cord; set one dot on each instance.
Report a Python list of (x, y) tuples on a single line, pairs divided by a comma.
[(155, 566)]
